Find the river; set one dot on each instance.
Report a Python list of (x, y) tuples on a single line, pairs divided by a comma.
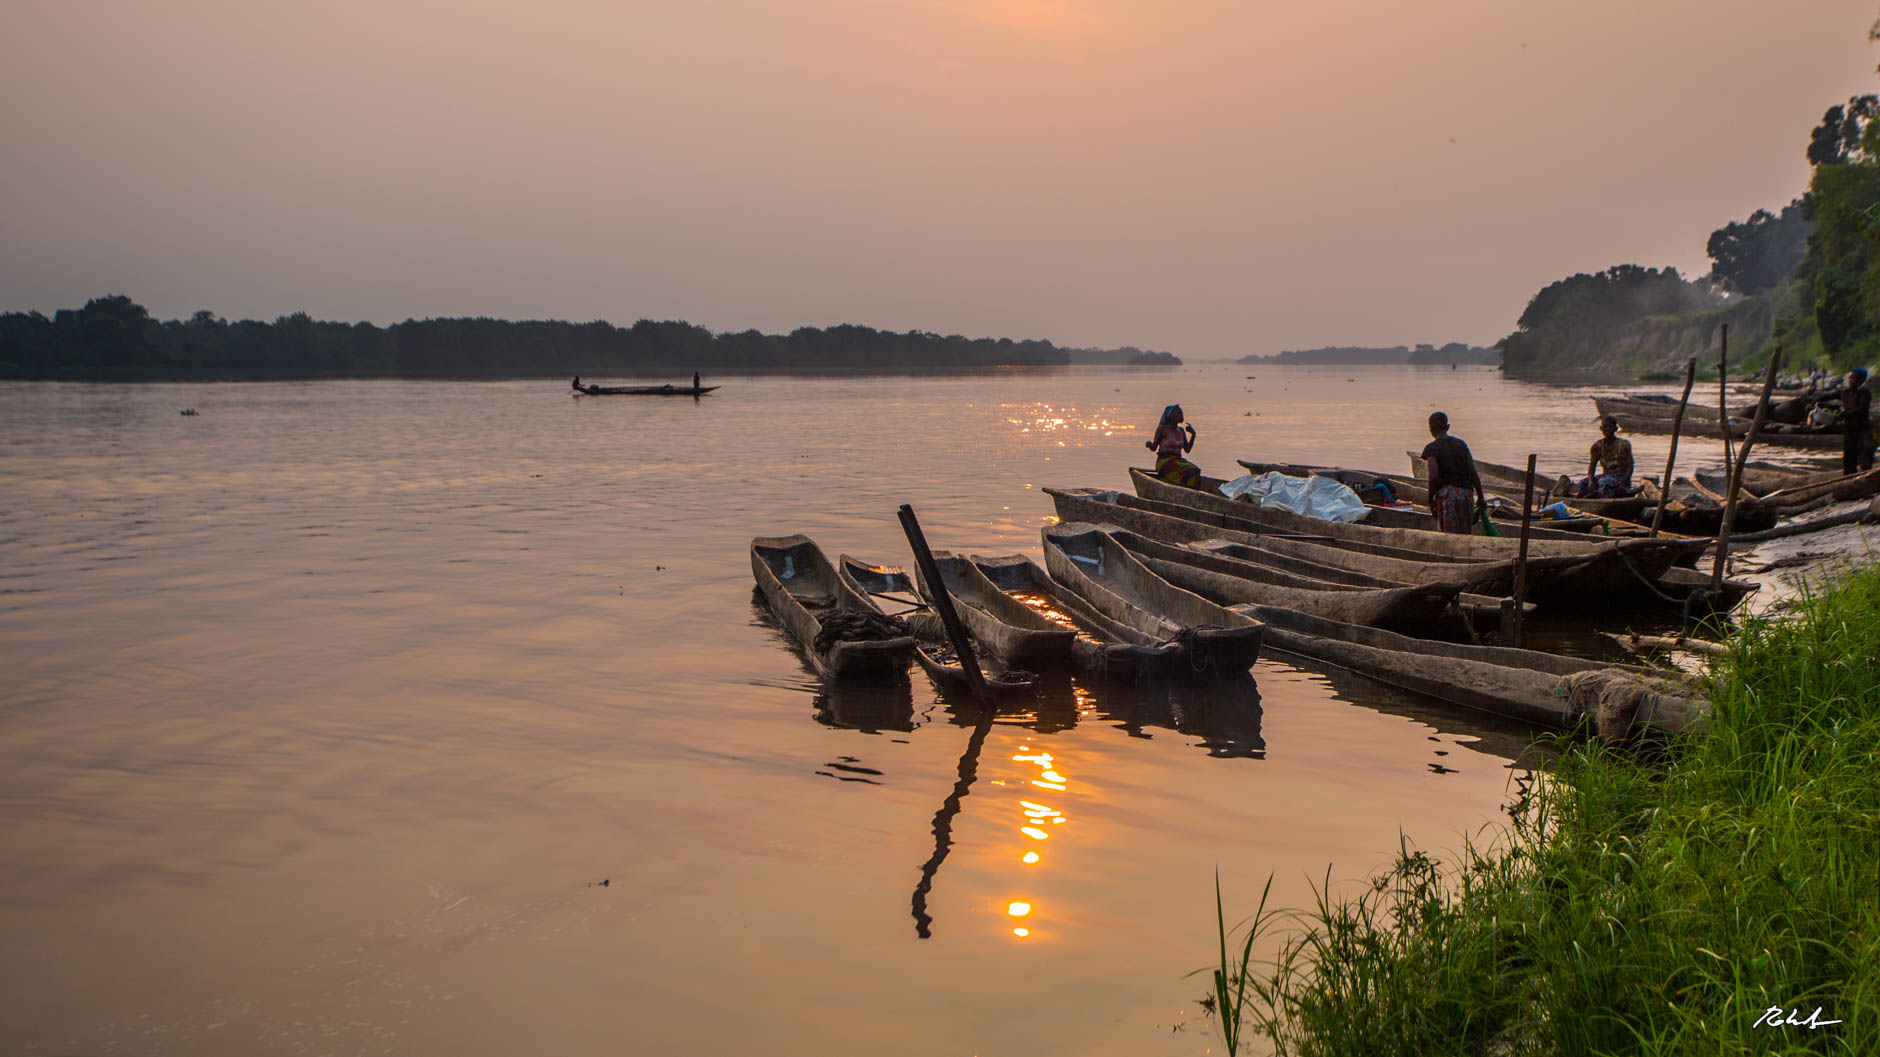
[(439, 718)]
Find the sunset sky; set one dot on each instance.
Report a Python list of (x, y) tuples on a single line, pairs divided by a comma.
[(1210, 177)]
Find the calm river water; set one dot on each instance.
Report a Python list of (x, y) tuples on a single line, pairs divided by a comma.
[(438, 718)]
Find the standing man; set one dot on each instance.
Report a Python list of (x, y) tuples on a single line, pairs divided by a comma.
[(1856, 422), (695, 381), (1455, 488)]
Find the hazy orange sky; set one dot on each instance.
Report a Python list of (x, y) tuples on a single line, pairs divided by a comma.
[(1211, 177)]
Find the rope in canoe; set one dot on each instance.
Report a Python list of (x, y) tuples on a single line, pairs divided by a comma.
[(1702, 596), (858, 626), (1189, 639)]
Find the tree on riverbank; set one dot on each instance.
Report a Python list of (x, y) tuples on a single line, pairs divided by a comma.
[(114, 337), (1840, 276)]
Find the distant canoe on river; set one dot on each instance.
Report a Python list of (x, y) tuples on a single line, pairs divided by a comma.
[(643, 390)]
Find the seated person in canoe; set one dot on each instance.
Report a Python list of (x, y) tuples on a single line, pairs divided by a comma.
[(1174, 439), (1455, 487), (1608, 464)]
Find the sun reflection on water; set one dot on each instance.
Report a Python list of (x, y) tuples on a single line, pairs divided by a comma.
[(1036, 816), (1046, 418)]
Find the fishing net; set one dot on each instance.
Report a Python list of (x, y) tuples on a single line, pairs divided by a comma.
[(1010, 678), (1619, 702), (858, 626)]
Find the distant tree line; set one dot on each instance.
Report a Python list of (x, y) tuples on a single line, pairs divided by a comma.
[(114, 337), (1454, 352), (1128, 354)]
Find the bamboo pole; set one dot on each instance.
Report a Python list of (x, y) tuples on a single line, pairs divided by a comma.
[(1736, 472), (943, 603), (1671, 461), (1520, 560)]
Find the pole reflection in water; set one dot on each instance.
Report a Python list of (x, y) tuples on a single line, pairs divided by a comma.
[(943, 821)]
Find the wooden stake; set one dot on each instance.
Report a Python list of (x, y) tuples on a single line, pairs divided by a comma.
[(943, 603), (1736, 472), (1520, 561), (1671, 461), (1723, 392)]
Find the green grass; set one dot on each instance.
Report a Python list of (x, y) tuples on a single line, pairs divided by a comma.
[(1638, 905)]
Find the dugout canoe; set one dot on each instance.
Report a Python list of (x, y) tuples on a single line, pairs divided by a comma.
[(1539, 688), (1800, 491), (1234, 581), (1381, 516), (1508, 509), (1095, 567), (1518, 684), (1775, 434), (863, 582), (1541, 541), (1100, 646), (644, 390), (1599, 575), (1014, 634), (1507, 480), (804, 592), (1792, 410)]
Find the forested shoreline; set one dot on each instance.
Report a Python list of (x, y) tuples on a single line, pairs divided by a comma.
[(1806, 277), (113, 338)]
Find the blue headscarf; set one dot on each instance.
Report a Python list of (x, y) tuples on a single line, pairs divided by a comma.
[(1169, 413), (1859, 373)]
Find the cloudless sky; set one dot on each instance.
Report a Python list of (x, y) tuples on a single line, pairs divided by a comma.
[(1210, 177)]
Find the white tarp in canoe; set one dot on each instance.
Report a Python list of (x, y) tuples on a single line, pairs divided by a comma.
[(1312, 496)]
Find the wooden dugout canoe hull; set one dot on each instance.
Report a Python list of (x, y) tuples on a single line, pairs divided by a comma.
[(1209, 497), (1099, 646), (1805, 490), (644, 390), (1599, 575), (1010, 631), (1098, 569), (864, 581), (1414, 491), (1519, 684), (1510, 482), (1738, 429), (1790, 410), (1231, 581), (1541, 540), (1641, 553), (802, 587)]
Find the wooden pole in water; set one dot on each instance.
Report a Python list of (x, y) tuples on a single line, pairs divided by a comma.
[(1520, 560), (943, 603), (1723, 393), (1671, 461), (1736, 471)]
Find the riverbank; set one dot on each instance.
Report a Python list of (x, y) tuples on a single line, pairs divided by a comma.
[(1717, 896)]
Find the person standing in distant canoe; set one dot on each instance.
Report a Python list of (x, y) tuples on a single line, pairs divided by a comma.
[(1611, 457), (1173, 439), (1455, 487), (694, 381)]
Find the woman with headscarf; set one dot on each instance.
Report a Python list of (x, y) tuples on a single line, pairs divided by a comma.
[(1174, 439)]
